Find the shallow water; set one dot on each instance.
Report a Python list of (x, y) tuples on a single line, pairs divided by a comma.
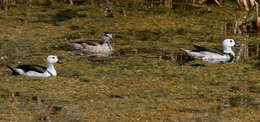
[(245, 52), (146, 79)]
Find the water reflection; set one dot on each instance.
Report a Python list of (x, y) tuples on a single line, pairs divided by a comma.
[(225, 104), (247, 51), (158, 53), (241, 101), (253, 49), (245, 23), (244, 54)]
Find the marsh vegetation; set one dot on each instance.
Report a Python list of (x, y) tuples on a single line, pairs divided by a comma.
[(146, 78)]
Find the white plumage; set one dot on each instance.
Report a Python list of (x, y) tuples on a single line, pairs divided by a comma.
[(36, 70), (213, 55)]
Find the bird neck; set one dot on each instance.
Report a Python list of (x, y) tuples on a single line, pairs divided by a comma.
[(228, 50), (107, 44), (51, 70)]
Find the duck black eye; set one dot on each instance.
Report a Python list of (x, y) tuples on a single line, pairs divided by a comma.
[(53, 57), (231, 40)]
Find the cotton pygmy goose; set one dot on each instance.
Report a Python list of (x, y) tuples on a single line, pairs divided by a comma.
[(95, 47), (36, 70), (213, 55)]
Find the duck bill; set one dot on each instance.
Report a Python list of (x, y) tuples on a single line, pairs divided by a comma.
[(237, 45), (111, 39), (60, 62)]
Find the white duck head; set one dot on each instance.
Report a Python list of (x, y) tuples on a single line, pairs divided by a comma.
[(227, 45), (52, 59), (107, 38)]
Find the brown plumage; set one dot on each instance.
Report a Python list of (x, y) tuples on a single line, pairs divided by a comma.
[(94, 47), (89, 42)]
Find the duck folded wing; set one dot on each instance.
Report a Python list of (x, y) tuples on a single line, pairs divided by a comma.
[(35, 68), (89, 42), (199, 48)]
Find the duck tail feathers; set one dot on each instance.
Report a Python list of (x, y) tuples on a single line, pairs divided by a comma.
[(186, 51), (70, 40), (13, 70), (182, 49)]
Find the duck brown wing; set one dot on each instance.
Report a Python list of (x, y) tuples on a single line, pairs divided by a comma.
[(89, 42), (200, 48), (35, 68), (94, 42)]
